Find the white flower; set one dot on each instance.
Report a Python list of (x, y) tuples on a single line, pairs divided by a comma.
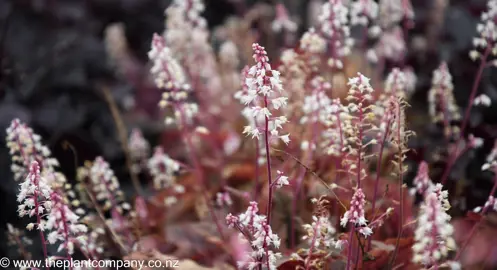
[(285, 138), (282, 20), (483, 100), (281, 180), (163, 169)]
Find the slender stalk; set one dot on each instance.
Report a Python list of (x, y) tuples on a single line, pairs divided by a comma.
[(377, 180), (123, 137), (452, 158), (268, 162), (313, 242), (401, 189), (349, 252), (473, 229), (42, 236), (257, 155)]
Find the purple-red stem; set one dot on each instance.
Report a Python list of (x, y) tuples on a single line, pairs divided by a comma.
[(38, 220), (377, 181), (66, 233), (268, 162), (401, 180), (473, 230), (313, 242), (453, 157), (351, 240), (257, 155)]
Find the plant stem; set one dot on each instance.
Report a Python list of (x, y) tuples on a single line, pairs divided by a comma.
[(377, 181), (351, 240), (257, 155), (472, 95), (401, 180), (313, 242), (473, 229), (268, 161)]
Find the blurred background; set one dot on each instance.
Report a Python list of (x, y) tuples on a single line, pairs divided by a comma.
[(57, 57)]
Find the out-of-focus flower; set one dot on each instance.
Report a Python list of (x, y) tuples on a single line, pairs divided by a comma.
[(422, 181), (391, 46), (394, 11), (487, 31), (163, 169), (169, 75), (363, 12), (282, 20), (106, 186), (483, 100), (334, 26), (491, 161), (139, 148), (223, 199), (312, 42), (441, 103)]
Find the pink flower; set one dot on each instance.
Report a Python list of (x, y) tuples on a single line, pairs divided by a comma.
[(282, 21), (355, 214)]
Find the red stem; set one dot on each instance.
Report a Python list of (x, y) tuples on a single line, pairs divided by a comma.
[(453, 157), (268, 161), (309, 257), (377, 181), (38, 220), (473, 230), (351, 240)]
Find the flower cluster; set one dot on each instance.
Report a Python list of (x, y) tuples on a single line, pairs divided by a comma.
[(25, 147), (441, 102), (169, 75), (163, 170), (355, 215), (264, 86), (261, 237), (400, 83), (106, 187), (491, 161), (282, 20), (422, 181), (361, 116), (433, 235), (16, 237), (487, 31), (316, 105), (63, 225), (334, 136), (223, 199), (391, 46), (183, 17), (139, 148), (34, 196), (392, 12), (320, 233), (334, 26), (312, 42), (363, 12)]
